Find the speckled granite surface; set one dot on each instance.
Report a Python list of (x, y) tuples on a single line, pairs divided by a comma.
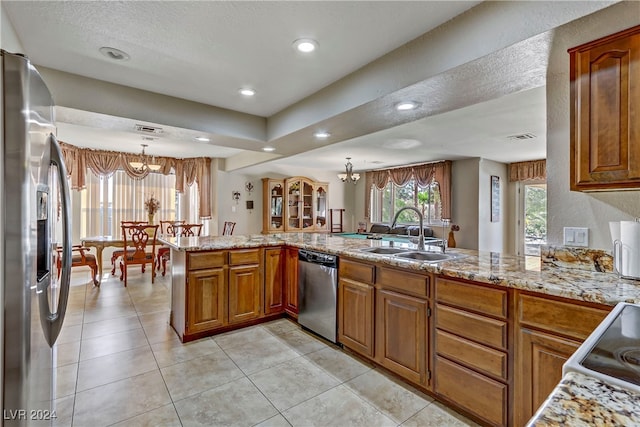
[(526, 273), (582, 400)]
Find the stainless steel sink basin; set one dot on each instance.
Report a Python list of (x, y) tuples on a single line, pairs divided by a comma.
[(384, 250), (427, 256)]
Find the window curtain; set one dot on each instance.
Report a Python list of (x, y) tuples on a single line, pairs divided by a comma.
[(105, 163), (525, 171), (423, 174)]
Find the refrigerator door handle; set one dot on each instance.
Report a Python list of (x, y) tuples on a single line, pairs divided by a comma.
[(56, 319)]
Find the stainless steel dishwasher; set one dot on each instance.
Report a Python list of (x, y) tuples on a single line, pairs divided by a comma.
[(318, 293)]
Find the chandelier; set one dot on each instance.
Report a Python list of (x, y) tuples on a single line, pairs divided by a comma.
[(142, 163), (349, 176)]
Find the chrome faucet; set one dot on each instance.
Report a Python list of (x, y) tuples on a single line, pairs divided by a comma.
[(420, 233), (445, 225)]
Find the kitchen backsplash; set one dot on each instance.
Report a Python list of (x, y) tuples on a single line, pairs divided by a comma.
[(579, 258)]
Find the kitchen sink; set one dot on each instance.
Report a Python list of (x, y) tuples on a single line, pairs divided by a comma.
[(384, 250), (427, 256)]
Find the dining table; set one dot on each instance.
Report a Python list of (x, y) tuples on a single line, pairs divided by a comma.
[(101, 242)]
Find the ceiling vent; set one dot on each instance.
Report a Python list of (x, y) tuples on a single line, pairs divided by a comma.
[(521, 137), (148, 129)]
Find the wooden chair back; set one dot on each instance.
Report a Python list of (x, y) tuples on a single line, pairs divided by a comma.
[(188, 230), (167, 227), (140, 247), (227, 229), (80, 256)]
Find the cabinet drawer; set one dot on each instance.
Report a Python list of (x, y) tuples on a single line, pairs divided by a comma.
[(244, 256), (476, 393), (417, 284), (476, 356), (200, 260), (472, 297), (357, 271), (472, 326), (565, 318)]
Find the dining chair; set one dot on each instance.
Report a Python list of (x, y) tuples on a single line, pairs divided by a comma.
[(180, 230), (80, 257), (140, 248), (227, 229), (167, 228), (120, 252)]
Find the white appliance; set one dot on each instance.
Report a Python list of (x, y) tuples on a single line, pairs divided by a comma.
[(612, 351), (34, 220), (626, 248)]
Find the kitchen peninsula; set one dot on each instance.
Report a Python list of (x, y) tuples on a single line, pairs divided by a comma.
[(482, 328)]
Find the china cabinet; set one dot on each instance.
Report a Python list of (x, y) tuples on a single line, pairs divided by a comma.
[(272, 205)]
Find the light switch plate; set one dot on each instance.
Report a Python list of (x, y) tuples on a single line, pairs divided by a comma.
[(576, 236)]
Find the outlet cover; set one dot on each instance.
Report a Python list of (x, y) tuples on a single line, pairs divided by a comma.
[(576, 236)]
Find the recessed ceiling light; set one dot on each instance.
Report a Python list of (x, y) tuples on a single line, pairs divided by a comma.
[(202, 139), (322, 134), (406, 105), (114, 54), (305, 45), (245, 91), (268, 148)]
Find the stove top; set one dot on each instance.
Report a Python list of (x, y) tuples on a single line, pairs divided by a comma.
[(612, 351)]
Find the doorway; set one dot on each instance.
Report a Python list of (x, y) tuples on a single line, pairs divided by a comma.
[(532, 224)]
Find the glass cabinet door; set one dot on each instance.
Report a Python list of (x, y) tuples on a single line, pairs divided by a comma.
[(321, 207), (276, 208), (294, 202), (307, 205)]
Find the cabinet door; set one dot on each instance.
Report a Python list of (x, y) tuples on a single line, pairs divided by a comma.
[(605, 139), (291, 289), (294, 205), (540, 359), (401, 335), (321, 210), (273, 205), (206, 299), (274, 259), (245, 290), (355, 308), (307, 205)]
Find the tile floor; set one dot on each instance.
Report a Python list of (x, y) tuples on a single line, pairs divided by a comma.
[(119, 363)]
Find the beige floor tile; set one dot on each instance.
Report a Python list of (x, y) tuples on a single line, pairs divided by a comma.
[(111, 326), (301, 342), (93, 301), (70, 333), (154, 319), (392, 397), (160, 333), (172, 352), (66, 378), (113, 343), (338, 363), (438, 415), (242, 337), (277, 421), (200, 374), (166, 416), (257, 355), (66, 354), (62, 411), (73, 317), (237, 403), (111, 312), (113, 367), (120, 400), (281, 326), (292, 382), (336, 407)]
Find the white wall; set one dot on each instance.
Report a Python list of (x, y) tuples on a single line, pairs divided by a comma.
[(465, 202), (492, 236), (8, 38), (567, 208), (250, 222)]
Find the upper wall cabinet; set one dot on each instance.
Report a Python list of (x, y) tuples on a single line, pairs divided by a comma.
[(294, 204), (605, 113)]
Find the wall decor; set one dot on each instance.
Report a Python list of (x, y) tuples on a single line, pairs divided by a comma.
[(495, 198)]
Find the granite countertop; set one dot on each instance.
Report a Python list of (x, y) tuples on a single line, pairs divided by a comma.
[(582, 400), (526, 273)]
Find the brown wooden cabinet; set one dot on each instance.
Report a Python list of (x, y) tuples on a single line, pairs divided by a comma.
[(245, 293), (356, 307), (471, 338), (207, 300), (273, 203), (605, 104), (291, 282), (274, 280), (549, 330)]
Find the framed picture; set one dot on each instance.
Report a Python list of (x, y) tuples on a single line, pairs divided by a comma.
[(495, 198)]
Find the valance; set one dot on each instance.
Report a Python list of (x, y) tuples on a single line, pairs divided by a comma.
[(104, 163), (423, 174), (531, 170)]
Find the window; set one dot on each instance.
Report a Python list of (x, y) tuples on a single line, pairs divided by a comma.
[(386, 202), (535, 217), (117, 197)]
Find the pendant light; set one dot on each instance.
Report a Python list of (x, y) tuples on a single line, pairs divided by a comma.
[(142, 163), (349, 176)]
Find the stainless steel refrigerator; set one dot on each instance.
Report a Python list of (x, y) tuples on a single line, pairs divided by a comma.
[(34, 220)]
